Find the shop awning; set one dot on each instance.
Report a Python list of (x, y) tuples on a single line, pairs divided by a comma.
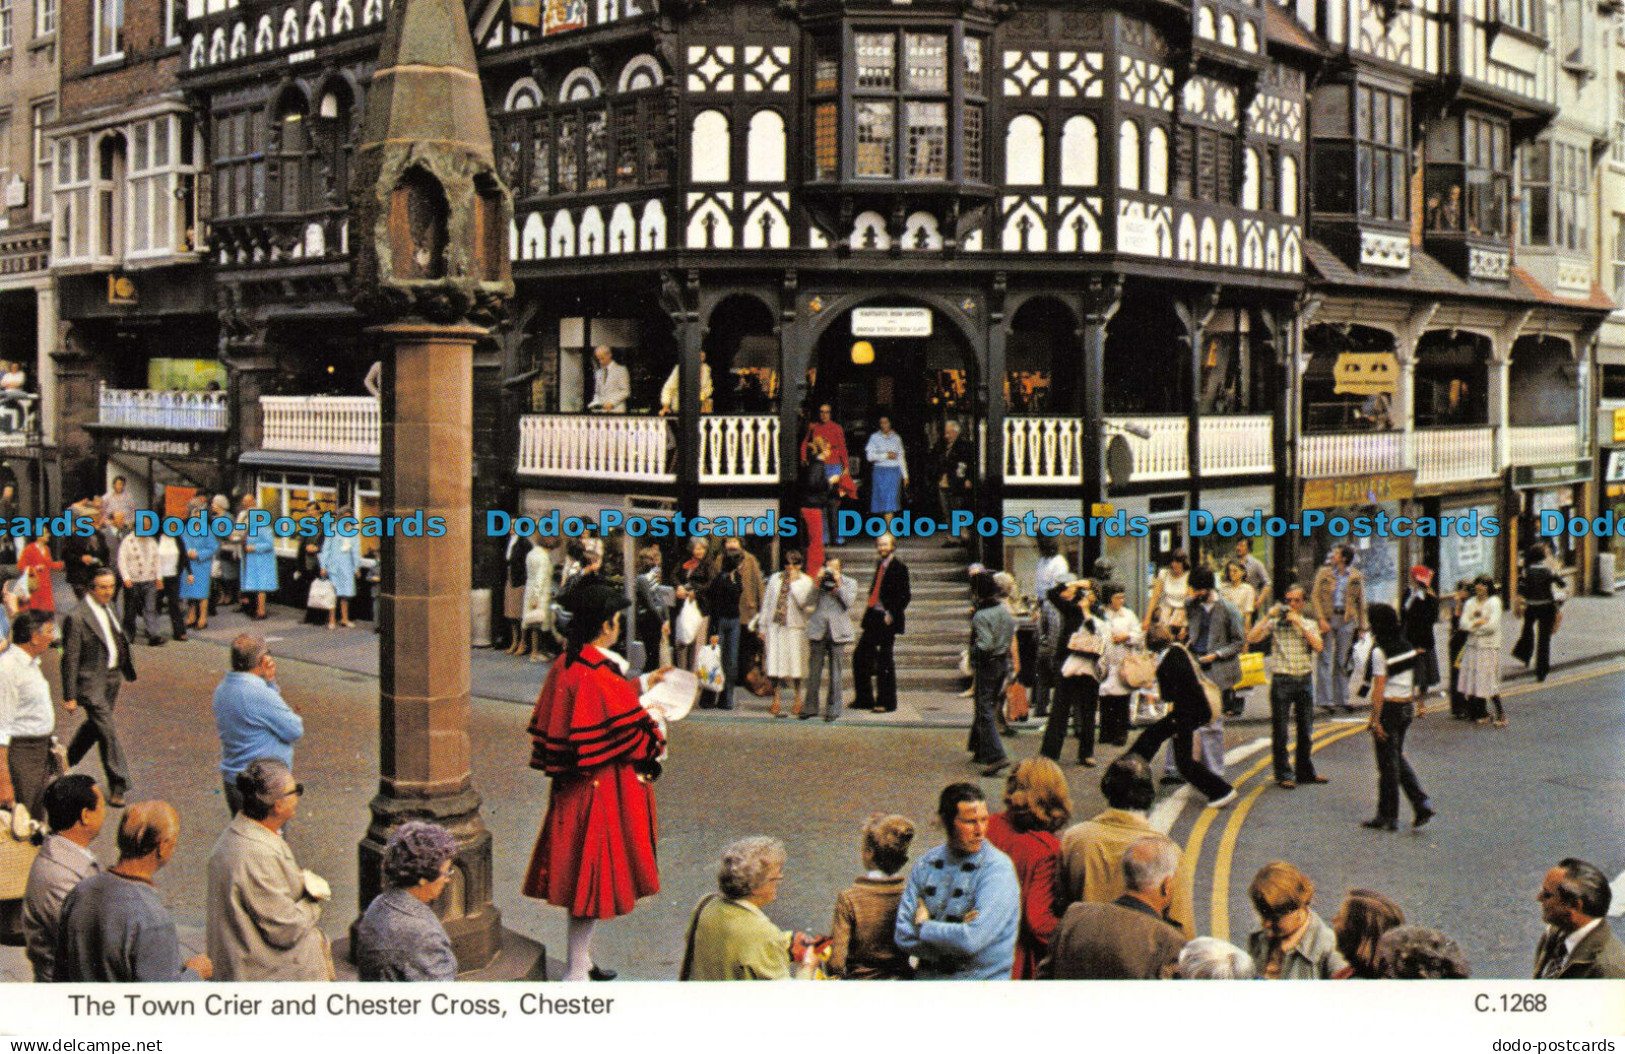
[(315, 461)]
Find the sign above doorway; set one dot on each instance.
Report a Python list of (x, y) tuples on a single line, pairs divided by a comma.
[(891, 322)]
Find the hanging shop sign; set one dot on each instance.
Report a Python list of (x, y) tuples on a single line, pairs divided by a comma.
[(1366, 373)]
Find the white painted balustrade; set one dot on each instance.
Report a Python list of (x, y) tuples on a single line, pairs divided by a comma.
[(1544, 444), (1237, 446), (1350, 454), (174, 411), (335, 424), (1453, 455), (597, 446), (739, 448), (1163, 455), (1043, 450)]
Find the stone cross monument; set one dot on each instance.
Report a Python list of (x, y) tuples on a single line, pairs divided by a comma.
[(429, 221)]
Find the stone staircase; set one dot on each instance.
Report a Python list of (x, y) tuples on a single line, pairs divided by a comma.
[(938, 613)]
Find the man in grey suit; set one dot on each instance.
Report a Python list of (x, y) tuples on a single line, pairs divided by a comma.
[(829, 631), (611, 383), (95, 663), (76, 810)]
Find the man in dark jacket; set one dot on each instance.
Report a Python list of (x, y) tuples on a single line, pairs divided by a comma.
[(95, 663), (83, 550), (1574, 901), (1129, 939), (955, 473), (1180, 685), (883, 623)]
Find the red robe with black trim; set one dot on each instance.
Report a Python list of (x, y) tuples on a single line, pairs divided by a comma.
[(595, 855)]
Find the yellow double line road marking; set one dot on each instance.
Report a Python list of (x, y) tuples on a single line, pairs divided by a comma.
[(1219, 911), (1193, 844)]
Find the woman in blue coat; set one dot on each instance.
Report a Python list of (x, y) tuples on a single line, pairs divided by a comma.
[(340, 559), (200, 550), (259, 561)]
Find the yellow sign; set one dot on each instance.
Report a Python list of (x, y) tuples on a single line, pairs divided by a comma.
[(1358, 490), (1102, 510), (120, 289), (1366, 373), (1619, 426)]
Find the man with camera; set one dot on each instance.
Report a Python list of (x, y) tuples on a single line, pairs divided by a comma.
[(1297, 641), (829, 631)]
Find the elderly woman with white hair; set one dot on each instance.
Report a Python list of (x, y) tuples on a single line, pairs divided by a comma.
[(730, 938), (400, 938), (1210, 959)]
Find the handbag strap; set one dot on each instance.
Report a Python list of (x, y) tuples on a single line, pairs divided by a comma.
[(688, 941)]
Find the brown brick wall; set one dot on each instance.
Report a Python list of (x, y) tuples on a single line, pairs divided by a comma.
[(149, 66)]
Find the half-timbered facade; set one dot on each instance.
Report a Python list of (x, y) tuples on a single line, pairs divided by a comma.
[(1025, 222), (1086, 234), (1447, 246)]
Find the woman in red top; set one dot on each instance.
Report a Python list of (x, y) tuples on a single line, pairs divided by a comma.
[(595, 855), (36, 562), (1036, 805)]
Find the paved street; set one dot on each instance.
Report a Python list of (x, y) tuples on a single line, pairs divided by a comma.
[(1511, 802)]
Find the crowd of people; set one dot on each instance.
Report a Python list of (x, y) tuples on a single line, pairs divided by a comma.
[(1020, 894)]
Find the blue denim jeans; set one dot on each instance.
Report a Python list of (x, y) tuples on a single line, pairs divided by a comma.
[(1332, 667)]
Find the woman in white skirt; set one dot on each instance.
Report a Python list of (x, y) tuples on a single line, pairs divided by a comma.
[(1480, 679), (782, 625)]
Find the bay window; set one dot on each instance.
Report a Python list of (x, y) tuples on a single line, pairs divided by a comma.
[(901, 93)]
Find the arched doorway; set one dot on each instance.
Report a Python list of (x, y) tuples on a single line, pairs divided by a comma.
[(919, 382)]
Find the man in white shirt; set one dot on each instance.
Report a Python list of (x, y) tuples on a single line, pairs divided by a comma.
[(611, 384), (138, 566), (27, 716), (96, 661)]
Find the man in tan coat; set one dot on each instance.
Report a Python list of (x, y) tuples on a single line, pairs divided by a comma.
[(1090, 868), (1338, 602), (263, 909)]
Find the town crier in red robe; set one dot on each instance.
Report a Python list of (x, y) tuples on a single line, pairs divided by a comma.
[(595, 855)]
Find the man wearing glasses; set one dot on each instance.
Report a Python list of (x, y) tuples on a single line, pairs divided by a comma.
[(264, 908), (1297, 642)]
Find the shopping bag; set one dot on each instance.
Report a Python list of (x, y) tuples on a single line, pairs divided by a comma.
[(708, 667), (1015, 702), (1252, 670), (1138, 669), (688, 623), (323, 597)]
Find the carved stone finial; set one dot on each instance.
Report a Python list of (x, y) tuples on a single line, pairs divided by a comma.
[(431, 214)]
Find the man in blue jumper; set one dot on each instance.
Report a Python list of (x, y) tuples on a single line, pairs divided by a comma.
[(960, 909), (253, 719)]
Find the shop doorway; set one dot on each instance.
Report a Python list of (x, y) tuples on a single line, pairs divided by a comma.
[(919, 382)]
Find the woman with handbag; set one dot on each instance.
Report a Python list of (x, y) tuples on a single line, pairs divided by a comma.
[(993, 630), (1124, 638), (1084, 642), (782, 625), (36, 565), (340, 561), (688, 627), (1390, 683)]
